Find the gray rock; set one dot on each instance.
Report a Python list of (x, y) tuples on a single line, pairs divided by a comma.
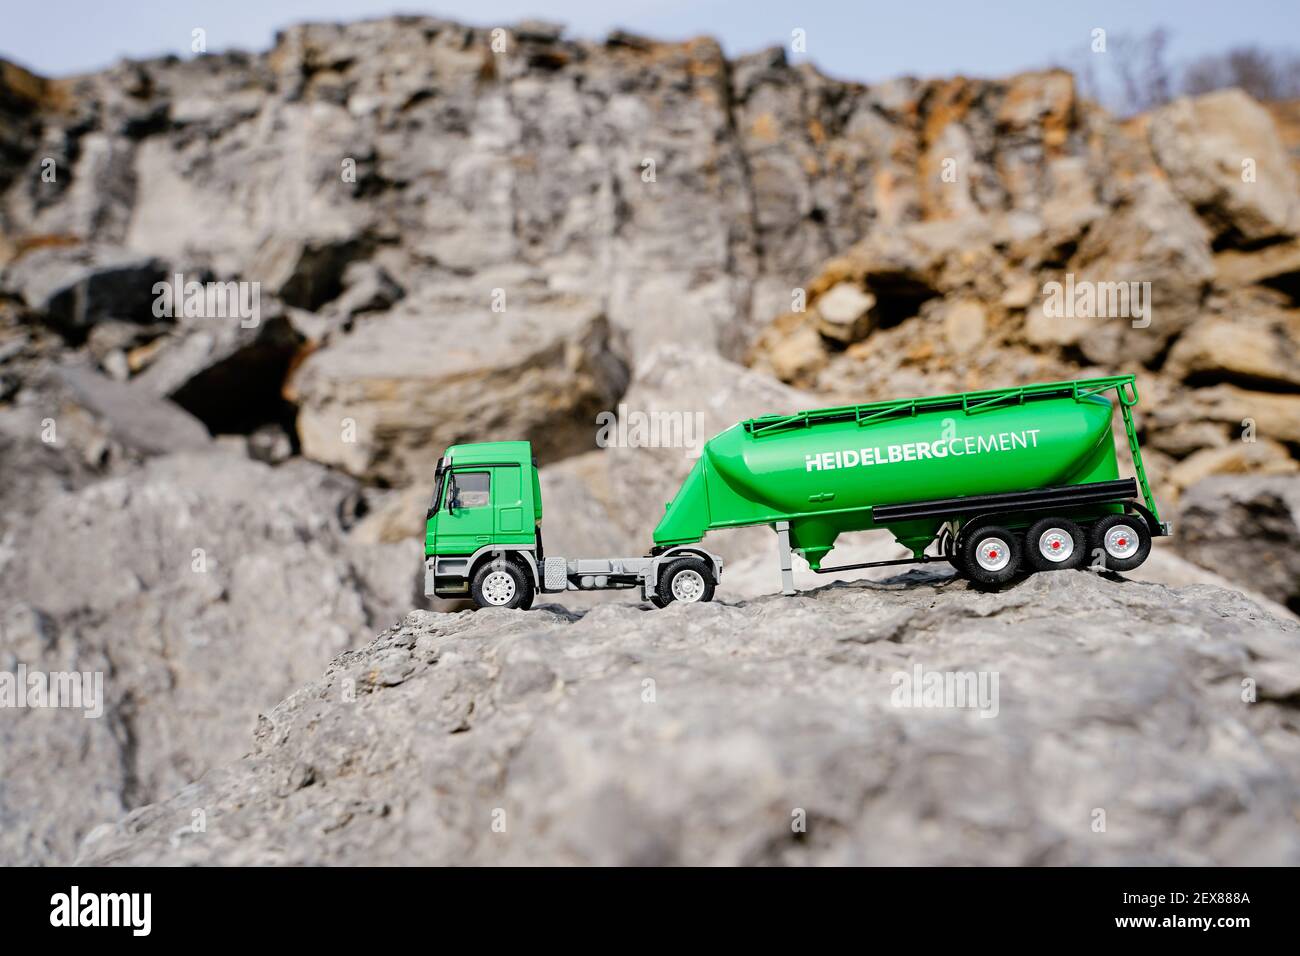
[(270, 444), (369, 288), (384, 400), (73, 288), (227, 372), (134, 416), (306, 273), (202, 588), (775, 731), (1223, 154), (1247, 529)]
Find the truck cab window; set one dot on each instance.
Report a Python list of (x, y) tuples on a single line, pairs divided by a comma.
[(471, 489)]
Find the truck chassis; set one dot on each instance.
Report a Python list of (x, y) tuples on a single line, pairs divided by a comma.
[(655, 575), (1015, 509)]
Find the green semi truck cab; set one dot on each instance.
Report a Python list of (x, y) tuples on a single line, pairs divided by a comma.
[(995, 482), (483, 539)]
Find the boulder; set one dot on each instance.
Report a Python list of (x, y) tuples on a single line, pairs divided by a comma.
[(74, 287), (132, 415), (1251, 415), (843, 311), (964, 326), (1154, 245), (1258, 350), (386, 399), (1235, 457), (1223, 155), (1247, 529)]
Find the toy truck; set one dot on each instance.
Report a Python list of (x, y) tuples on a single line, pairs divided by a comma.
[(998, 483)]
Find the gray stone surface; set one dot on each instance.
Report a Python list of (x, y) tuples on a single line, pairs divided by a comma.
[(1224, 156), (1247, 529), (203, 587), (700, 734), (409, 387), (75, 287)]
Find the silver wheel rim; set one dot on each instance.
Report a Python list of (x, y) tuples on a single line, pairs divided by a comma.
[(992, 554), (1121, 541), (688, 586), (498, 588), (1056, 544)]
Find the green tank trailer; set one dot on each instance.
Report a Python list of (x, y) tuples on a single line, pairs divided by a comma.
[(998, 483)]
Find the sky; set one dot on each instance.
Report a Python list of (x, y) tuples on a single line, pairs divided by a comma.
[(866, 40)]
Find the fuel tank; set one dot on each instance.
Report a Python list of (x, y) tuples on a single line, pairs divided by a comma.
[(823, 471)]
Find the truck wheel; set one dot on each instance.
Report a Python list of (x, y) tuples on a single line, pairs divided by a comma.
[(991, 555), (502, 584), (948, 549), (1052, 544), (688, 580), (658, 601), (1124, 541)]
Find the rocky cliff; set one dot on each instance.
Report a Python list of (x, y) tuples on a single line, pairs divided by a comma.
[(458, 234)]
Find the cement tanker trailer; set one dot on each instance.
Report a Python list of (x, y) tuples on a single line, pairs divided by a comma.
[(997, 482)]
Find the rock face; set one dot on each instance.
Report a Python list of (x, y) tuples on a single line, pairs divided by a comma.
[(777, 731), (390, 397), (1247, 528), (202, 588), (1165, 247), (1214, 147)]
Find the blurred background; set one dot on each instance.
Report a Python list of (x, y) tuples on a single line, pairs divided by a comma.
[(474, 223)]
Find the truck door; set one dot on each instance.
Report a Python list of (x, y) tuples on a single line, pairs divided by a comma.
[(466, 520), (508, 503)]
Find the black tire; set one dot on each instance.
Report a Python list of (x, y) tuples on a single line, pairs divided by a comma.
[(657, 601), (1111, 549), (1001, 559), (1055, 544), (489, 589), (702, 585)]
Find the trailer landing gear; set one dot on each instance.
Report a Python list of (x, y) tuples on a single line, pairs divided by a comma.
[(783, 553)]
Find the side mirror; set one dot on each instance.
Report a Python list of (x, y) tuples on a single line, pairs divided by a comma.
[(451, 495)]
